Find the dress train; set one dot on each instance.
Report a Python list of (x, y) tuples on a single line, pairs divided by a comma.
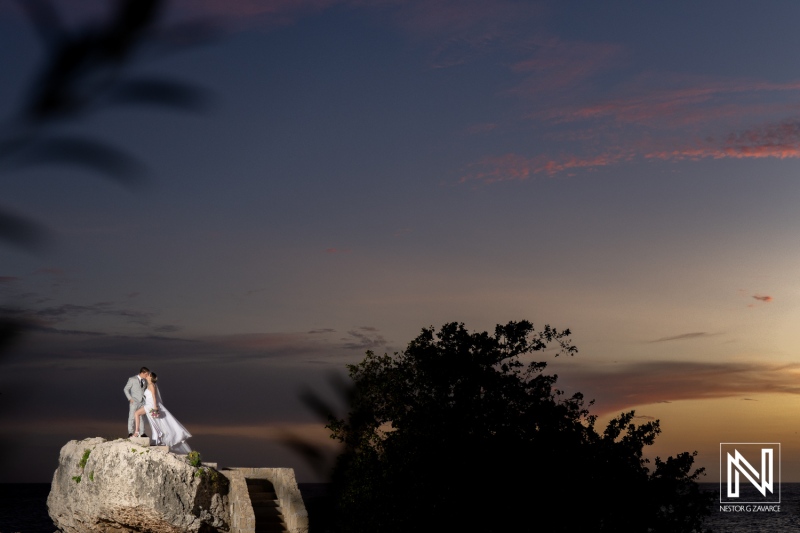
[(167, 431)]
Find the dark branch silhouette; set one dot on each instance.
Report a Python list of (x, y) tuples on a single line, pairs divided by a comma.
[(87, 71)]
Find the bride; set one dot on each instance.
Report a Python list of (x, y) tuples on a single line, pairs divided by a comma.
[(167, 431)]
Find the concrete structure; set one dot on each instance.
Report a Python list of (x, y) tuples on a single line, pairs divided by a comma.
[(250, 504)]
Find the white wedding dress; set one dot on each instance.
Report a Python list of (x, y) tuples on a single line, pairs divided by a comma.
[(167, 431)]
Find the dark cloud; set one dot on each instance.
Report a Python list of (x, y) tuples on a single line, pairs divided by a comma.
[(364, 338), (57, 331), (69, 316), (64, 312), (763, 298), (50, 271), (167, 329), (683, 336), (254, 291), (100, 308), (35, 298), (52, 345), (163, 338), (626, 386)]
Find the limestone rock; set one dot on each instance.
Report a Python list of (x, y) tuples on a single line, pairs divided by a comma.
[(126, 487)]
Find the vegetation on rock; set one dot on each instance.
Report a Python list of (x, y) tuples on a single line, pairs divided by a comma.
[(194, 459), (85, 458)]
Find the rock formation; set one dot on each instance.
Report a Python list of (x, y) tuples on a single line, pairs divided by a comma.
[(120, 486)]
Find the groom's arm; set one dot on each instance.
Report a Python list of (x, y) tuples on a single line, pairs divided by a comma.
[(127, 391)]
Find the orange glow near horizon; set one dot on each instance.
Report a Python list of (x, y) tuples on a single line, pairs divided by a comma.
[(701, 425)]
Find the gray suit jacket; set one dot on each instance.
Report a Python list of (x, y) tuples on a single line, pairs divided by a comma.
[(134, 391)]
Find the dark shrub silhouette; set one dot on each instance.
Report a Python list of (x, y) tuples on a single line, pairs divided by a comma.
[(456, 433)]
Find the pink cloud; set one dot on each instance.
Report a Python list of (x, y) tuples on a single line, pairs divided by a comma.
[(501, 168), (778, 141), (763, 298), (653, 116), (557, 64), (476, 129), (698, 101), (514, 167), (735, 152), (8, 279), (337, 250)]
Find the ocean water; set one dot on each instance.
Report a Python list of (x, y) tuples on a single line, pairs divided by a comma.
[(754, 521), (23, 509)]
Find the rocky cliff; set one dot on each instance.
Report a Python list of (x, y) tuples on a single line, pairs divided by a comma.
[(119, 486)]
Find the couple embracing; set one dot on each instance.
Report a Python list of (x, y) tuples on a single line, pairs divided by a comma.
[(144, 399)]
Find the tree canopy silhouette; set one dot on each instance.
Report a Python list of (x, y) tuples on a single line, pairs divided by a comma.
[(458, 433)]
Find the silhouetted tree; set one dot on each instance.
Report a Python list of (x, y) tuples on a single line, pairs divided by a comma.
[(456, 433)]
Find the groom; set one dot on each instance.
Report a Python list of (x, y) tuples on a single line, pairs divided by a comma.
[(134, 391)]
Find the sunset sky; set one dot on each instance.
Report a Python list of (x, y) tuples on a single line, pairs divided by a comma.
[(364, 169)]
